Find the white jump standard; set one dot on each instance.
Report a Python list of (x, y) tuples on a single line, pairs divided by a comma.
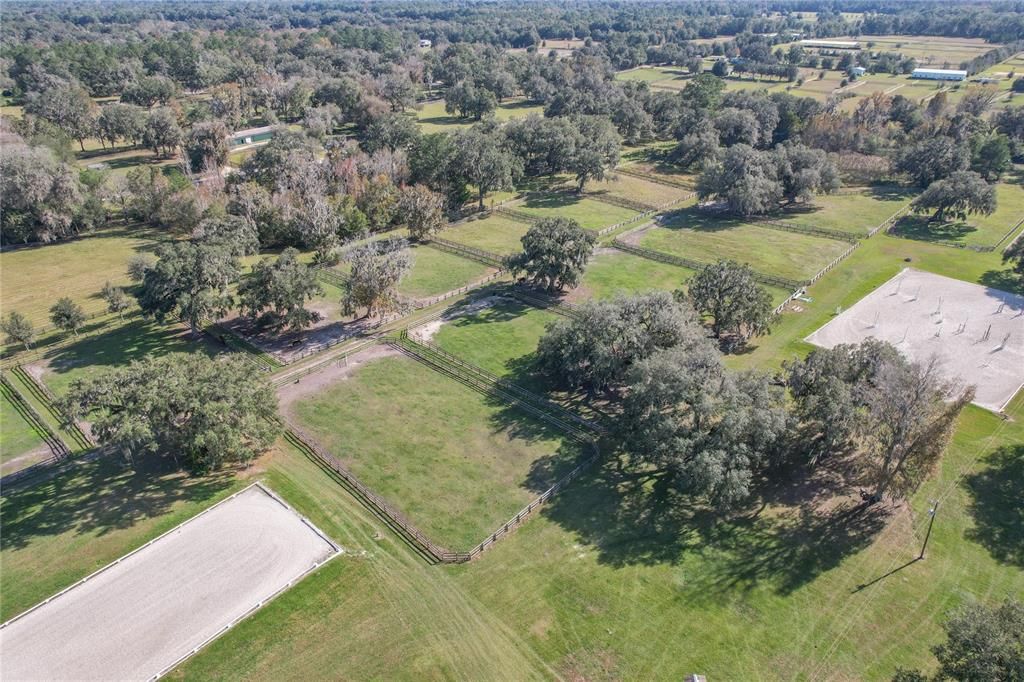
[(976, 332), (140, 616)]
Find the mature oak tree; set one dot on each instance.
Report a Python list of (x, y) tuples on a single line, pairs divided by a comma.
[(555, 253)]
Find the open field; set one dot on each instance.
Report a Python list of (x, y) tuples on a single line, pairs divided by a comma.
[(853, 213), (636, 189), (114, 347), (977, 230), (652, 74), (496, 233), (708, 238), (467, 466), (591, 214), (934, 51), (432, 117), (611, 272), (20, 444), (976, 333), (168, 598), (612, 588), (436, 272), (499, 335), (34, 277)]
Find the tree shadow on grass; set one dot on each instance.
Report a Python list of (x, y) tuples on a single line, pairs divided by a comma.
[(100, 497), (997, 505), (921, 228), (1004, 280), (119, 346), (702, 220), (633, 518)]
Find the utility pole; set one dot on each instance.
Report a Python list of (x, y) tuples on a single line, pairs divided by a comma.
[(931, 513)]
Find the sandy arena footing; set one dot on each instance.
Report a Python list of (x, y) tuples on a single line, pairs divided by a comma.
[(140, 616), (976, 332)]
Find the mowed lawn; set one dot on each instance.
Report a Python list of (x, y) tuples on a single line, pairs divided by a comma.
[(501, 338), (591, 214), (117, 346), (455, 463), (17, 438), (496, 233), (695, 235), (614, 584), (611, 273), (856, 214), (33, 278), (636, 189), (977, 230), (436, 272)]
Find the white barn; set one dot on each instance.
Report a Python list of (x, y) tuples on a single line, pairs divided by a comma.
[(940, 74), (831, 44)]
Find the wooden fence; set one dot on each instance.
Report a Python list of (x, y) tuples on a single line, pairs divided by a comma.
[(82, 440), (801, 229), (472, 253), (651, 254), (58, 448), (657, 179)]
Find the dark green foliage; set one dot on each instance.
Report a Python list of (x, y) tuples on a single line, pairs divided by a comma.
[(555, 253), (67, 315), (207, 412), (739, 307), (278, 289)]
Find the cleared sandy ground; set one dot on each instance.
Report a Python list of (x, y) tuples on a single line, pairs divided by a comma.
[(145, 612), (976, 332)]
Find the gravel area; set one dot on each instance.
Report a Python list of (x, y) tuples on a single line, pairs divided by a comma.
[(142, 614)]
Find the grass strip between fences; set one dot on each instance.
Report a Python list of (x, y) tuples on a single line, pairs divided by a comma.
[(58, 448), (81, 440)]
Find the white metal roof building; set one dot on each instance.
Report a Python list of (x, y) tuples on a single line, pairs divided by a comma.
[(832, 44), (940, 74)]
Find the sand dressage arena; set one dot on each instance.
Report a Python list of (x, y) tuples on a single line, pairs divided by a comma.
[(976, 332), (144, 613)]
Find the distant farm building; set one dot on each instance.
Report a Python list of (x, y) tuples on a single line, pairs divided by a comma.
[(859, 70), (940, 74), (831, 44), (251, 136), (425, 43)]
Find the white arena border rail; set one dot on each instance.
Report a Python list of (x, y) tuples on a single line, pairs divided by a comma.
[(234, 621)]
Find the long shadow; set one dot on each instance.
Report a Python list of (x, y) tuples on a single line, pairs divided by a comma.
[(920, 228), (700, 220), (1004, 280), (101, 496), (119, 346), (997, 505), (632, 517)]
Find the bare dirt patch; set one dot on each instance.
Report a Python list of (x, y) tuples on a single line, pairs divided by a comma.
[(428, 330)]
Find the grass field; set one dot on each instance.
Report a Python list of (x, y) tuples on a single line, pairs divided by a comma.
[(116, 347), (591, 214), (466, 467), (852, 213), (501, 338), (652, 74), (496, 233), (33, 278), (17, 439), (611, 589), (707, 238), (977, 230), (632, 188), (432, 117), (436, 272), (614, 272)]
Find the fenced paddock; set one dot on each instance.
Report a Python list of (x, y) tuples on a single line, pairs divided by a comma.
[(146, 612), (976, 332), (705, 237)]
